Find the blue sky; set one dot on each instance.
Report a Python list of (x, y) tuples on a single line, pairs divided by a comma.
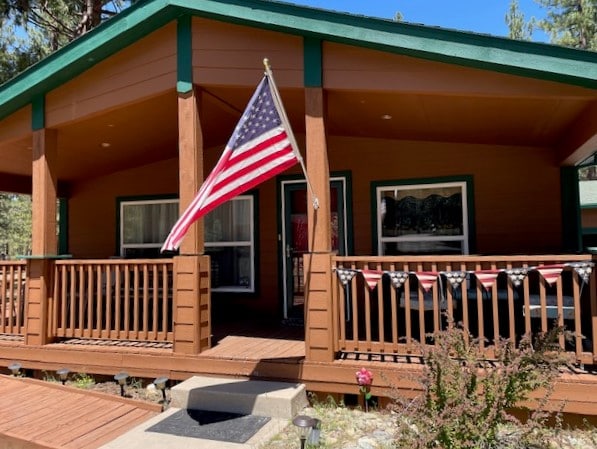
[(480, 16)]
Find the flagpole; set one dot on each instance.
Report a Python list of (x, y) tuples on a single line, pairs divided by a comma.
[(280, 107)]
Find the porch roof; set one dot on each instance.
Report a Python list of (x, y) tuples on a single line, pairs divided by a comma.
[(535, 60)]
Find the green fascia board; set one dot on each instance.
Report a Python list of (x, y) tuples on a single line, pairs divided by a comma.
[(530, 59)]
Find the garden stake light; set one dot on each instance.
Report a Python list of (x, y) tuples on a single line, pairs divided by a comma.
[(121, 379), (161, 383), (63, 374), (304, 424), (15, 368)]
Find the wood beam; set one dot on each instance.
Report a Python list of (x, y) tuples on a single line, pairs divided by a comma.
[(44, 193), (319, 344), (190, 153)]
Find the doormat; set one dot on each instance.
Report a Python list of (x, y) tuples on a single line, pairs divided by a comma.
[(208, 425)]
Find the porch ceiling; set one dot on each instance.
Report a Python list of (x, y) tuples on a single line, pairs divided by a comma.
[(145, 132)]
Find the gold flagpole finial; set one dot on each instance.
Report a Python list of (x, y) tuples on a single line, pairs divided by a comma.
[(266, 64)]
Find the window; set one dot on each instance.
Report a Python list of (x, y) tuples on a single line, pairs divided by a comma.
[(229, 237), (425, 218), (229, 240), (144, 225)]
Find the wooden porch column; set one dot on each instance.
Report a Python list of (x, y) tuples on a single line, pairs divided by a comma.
[(43, 232), (192, 297), (317, 263)]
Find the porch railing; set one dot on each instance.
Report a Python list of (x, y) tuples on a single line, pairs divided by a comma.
[(13, 281), (389, 305), (112, 299)]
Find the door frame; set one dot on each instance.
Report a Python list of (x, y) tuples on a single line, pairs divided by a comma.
[(343, 180)]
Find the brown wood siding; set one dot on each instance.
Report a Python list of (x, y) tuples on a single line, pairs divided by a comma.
[(514, 212), (141, 70), (226, 54), (16, 125), (350, 68), (92, 205)]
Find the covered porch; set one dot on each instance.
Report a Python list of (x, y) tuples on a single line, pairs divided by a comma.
[(105, 316)]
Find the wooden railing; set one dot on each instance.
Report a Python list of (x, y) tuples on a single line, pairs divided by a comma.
[(112, 299), (13, 281), (390, 305)]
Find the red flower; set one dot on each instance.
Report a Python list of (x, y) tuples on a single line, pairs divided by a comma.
[(364, 377)]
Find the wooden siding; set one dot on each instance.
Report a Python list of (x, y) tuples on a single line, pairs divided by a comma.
[(16, 126), (141, 70), (514, 213), (226, 54), (92, 205), (378, 70)]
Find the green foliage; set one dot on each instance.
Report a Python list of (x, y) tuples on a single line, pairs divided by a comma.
[(518, 28), (572, 23), (15, 224), (82, 380), (467, 398)]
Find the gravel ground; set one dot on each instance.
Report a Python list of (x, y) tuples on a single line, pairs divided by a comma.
[(341, 427), (344, 428)]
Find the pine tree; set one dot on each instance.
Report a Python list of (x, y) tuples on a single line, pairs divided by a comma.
[(572, 23)]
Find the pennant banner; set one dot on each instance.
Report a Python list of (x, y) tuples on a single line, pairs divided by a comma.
[(583, 269), (372, 277), (398, 278), (517, 275), (487, 277), (455, 278), (550, 273), (426, 279), (345, 275)]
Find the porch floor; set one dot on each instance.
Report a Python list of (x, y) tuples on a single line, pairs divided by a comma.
[(46, 415)]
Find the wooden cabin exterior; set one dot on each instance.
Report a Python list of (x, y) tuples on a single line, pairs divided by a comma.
[(120, 128)]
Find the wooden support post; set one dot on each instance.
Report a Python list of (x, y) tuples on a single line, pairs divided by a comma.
[(44, 238), (192, 304), (192, 294), (593, 296), (190, 156), (318, 285)]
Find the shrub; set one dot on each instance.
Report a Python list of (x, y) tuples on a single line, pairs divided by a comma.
[(466, 398)]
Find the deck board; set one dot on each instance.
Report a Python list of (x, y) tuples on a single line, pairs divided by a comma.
[(41, 414)]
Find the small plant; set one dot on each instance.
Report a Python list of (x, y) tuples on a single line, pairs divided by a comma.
[(364, 380), (82, 380), (466, 398)]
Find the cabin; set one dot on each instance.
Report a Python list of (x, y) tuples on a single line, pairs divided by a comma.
[(445, 166)]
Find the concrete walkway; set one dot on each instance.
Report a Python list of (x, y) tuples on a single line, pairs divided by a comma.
[(255, 410)]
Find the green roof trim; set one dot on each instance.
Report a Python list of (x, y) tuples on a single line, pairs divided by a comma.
[(184, 54), (38, 113), (313, 70), (536, 60)]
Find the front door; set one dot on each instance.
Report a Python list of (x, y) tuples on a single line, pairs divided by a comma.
[(294, 235)]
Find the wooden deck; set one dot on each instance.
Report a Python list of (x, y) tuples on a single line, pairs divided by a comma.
[(36, 414)]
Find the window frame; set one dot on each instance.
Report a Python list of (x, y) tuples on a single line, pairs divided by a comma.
[(463, 182), (252, 244)]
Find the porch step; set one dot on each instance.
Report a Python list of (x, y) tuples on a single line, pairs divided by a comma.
[(247, 397)]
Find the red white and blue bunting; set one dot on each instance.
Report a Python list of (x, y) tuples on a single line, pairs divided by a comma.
[(487, 278)]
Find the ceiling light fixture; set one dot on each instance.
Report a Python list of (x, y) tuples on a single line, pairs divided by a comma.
[(386, 117)]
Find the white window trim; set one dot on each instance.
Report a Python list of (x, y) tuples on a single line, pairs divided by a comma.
[(125, 203), (250, 243), (464, 238)]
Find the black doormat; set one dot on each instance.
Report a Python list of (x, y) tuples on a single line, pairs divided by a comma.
[(218, 426)]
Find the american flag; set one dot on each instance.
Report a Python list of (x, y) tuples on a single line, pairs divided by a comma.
[(260, 148)]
